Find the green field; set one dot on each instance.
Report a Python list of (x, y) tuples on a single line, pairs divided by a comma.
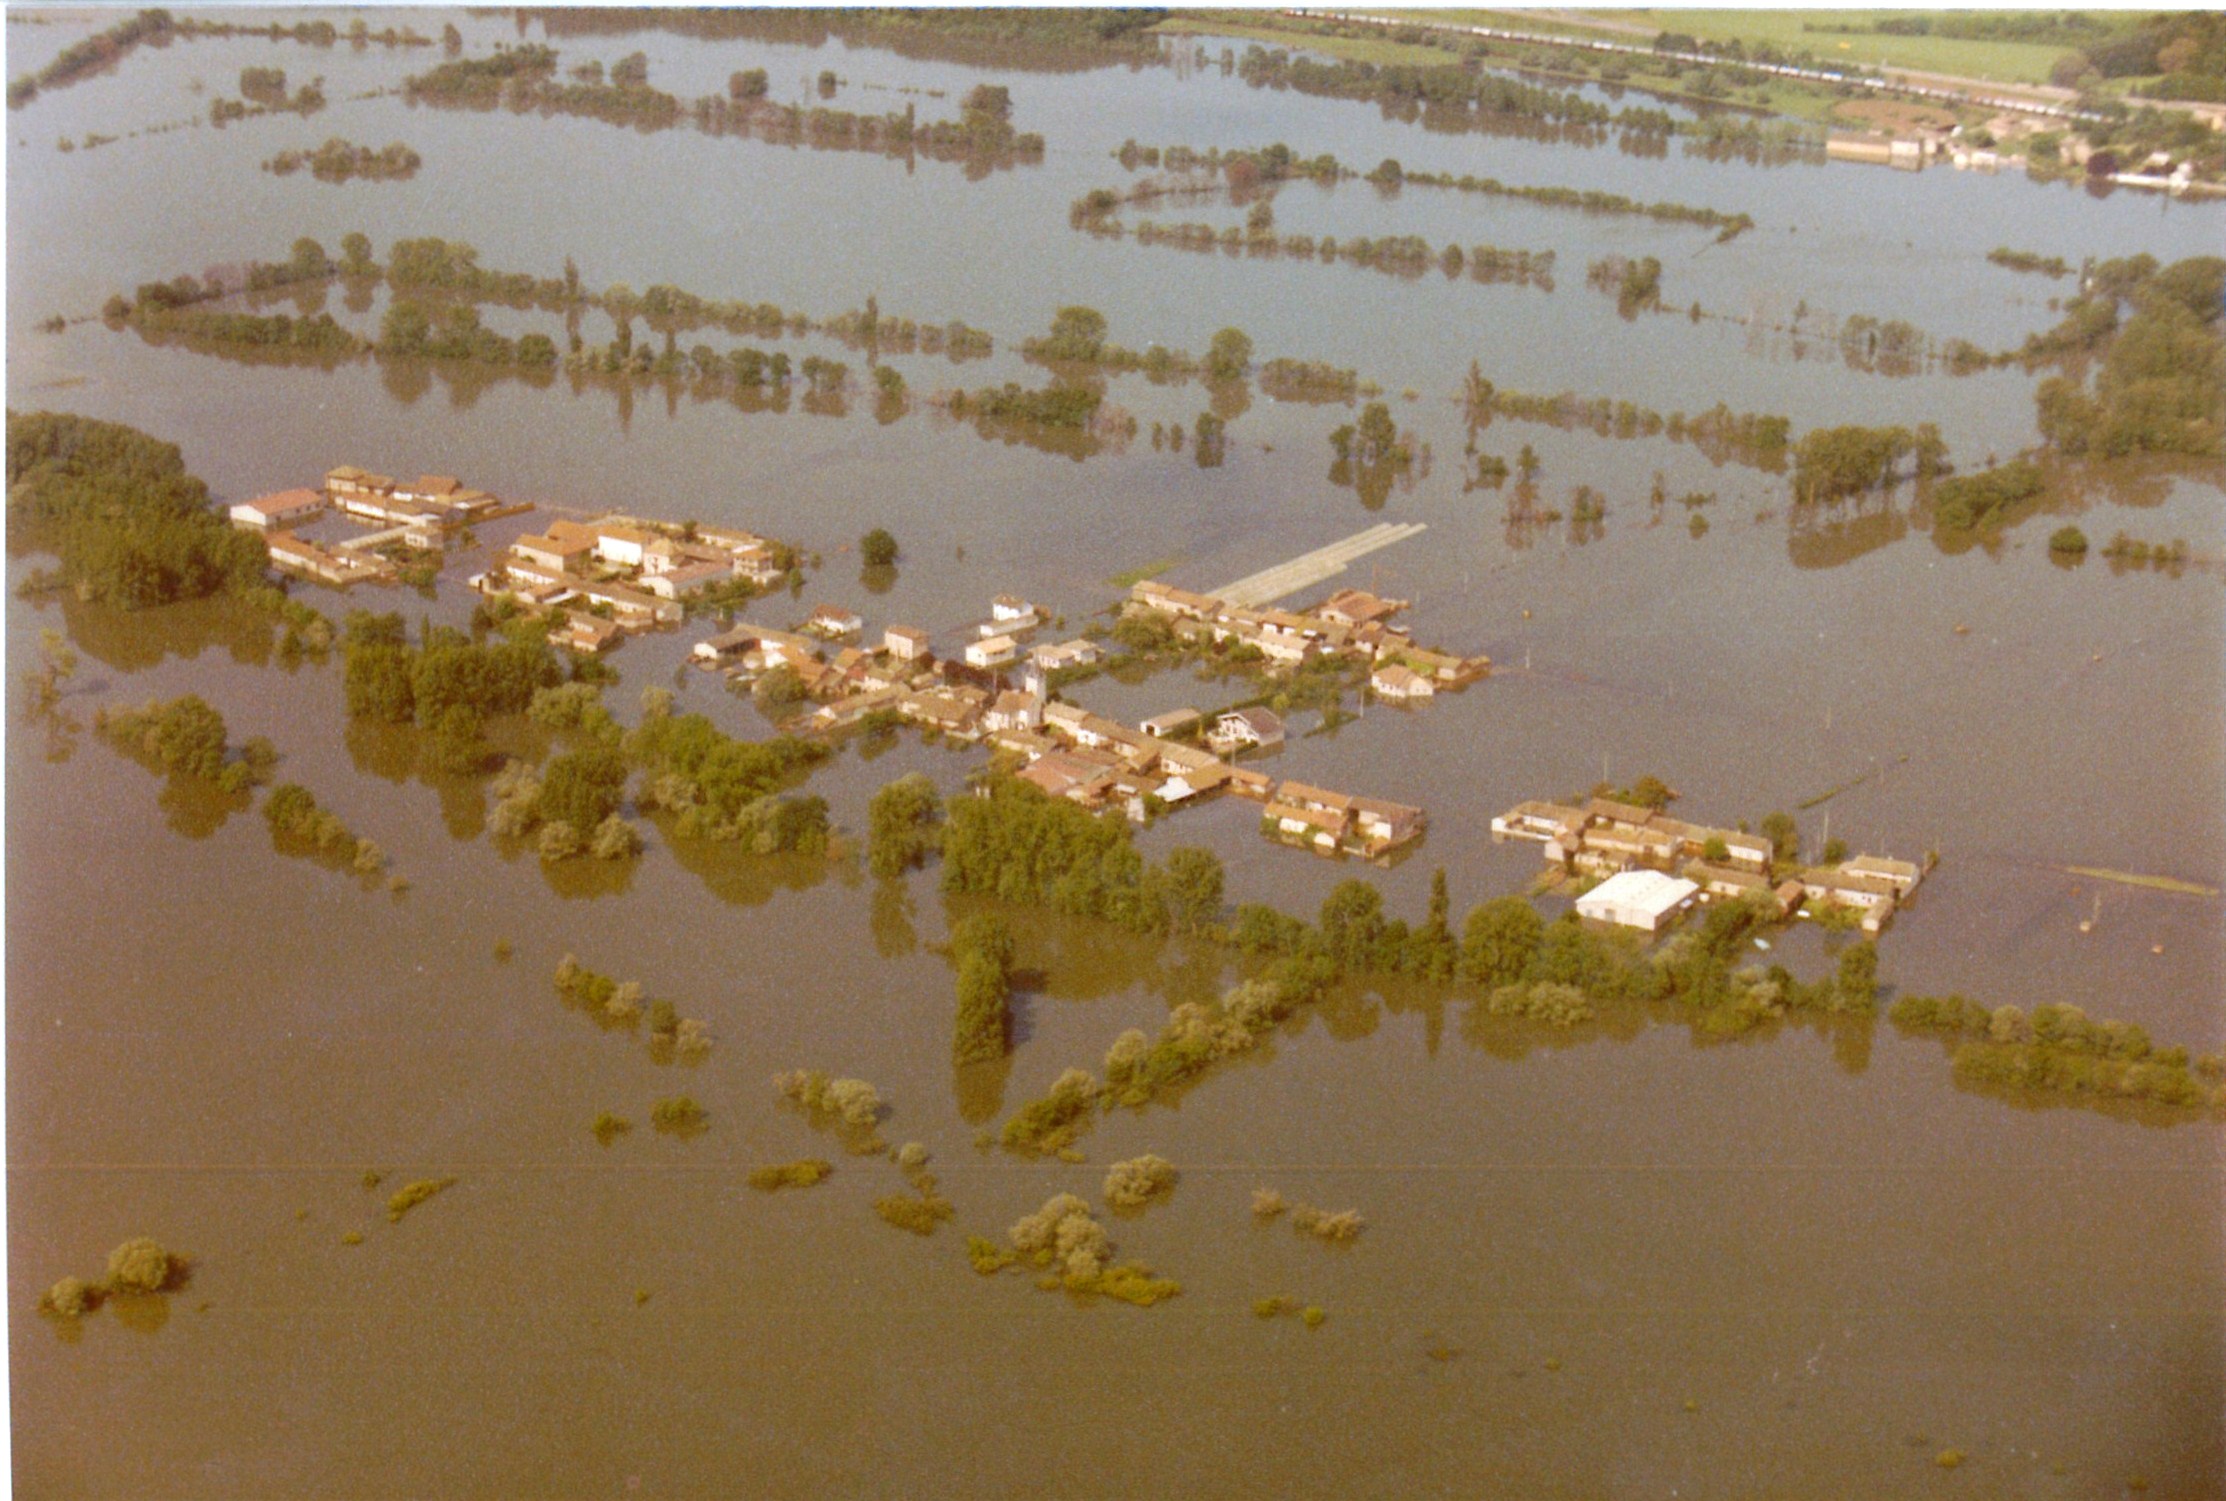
[(2004, 62)]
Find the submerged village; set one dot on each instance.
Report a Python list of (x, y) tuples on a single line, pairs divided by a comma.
[(996, 681), (1093, 705)]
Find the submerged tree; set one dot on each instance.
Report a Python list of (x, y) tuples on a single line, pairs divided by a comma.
[(983, 946)]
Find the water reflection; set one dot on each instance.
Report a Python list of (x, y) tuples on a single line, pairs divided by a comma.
[(737, 877), (142, 1313), (401, 754), (584, 878), (894, 934), (193, 807), (1827, 537), (133, 641)]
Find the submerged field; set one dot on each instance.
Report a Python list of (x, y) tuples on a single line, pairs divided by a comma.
[(1629, 1256)]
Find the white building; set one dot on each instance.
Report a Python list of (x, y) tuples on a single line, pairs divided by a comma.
[(283, 509), (991, 651), (1645, 899), (626, 546)]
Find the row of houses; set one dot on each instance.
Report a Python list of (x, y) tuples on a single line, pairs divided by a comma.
[(423, 513), (668, 563), (1065, 750), (292, 554), (1073, 753), (1351, 623), (1610, 839), (618, 573), (441, 499)]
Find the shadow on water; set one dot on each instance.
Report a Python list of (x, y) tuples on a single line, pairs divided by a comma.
[(585, 878), (979, 1089), (402, 754), (194, 807), (136, 640), (894, 935), (1826, 537), (1083, 959), (142, 1313), (739, 878)]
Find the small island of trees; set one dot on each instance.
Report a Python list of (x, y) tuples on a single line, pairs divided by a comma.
[(339, 161)]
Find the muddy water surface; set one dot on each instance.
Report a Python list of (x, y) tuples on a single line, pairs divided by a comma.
[(1611, 1262)]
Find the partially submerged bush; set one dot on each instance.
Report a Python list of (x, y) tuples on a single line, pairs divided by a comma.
[(805, 1172), (2058, 1050), (919, 1214), (1195, 1037), (988, 1257), (1556, 1005), (678, 1114), (138, 1266), (293, 813), (559, 841), (141, 1265), (410, 1195), (614, 839), (1138, 1181), (1322, 1224), (852, 1099), (1066, 1240), (624, 1004), (1054, 1121), (1130, 1283), (912, 1156), (609, 1128), (1267, 1203), (70, 1298)]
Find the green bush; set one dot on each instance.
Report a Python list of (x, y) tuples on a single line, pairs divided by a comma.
[(805, 1172)]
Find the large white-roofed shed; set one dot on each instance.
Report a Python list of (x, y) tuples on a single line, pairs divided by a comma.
[(1645, 899)]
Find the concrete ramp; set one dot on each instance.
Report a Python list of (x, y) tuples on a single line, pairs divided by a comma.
[(1283, 579)]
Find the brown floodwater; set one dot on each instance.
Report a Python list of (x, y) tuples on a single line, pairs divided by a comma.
[(1609, 1262)]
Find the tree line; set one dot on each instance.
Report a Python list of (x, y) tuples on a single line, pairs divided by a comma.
[(318, 33), (339, 161), (1722, 435), (1248, 170), (524, 80), (2059, 1049), (81, 60), (435, 281), (1834, 463)]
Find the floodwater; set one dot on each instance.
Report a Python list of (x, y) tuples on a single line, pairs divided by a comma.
[(1606, 1263)]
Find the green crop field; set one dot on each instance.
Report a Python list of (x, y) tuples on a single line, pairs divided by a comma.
[(2005, 62)]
